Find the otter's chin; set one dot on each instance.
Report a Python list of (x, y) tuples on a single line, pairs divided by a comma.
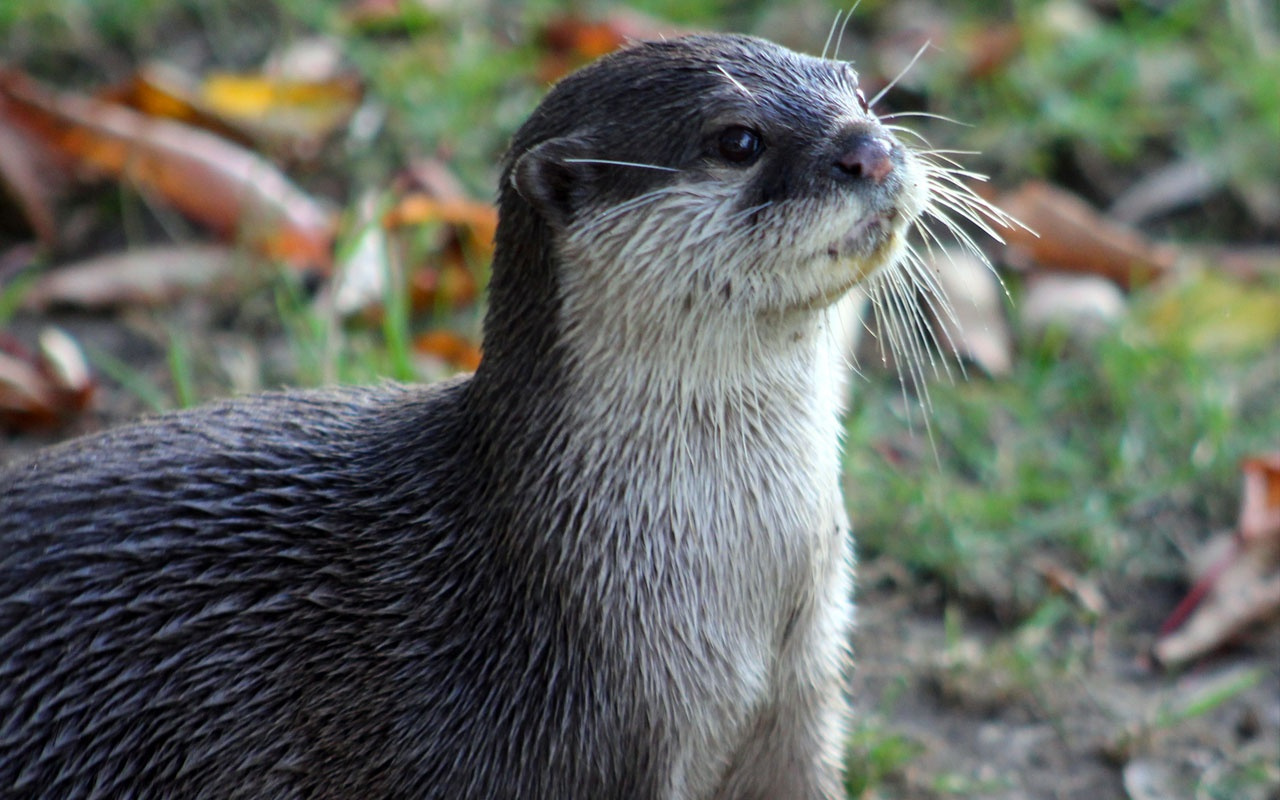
[(872, 244), (867, 237)]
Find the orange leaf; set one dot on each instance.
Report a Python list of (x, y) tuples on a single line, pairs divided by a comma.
[(572, 41), (1070, 235), (449, 347), (26, 179), (452, 285), (233, 191), (303, 111), (480, 220), (1260, 499), (1241, 585)]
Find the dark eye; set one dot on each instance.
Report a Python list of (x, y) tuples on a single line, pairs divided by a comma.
[(739, 145), (862, 101)]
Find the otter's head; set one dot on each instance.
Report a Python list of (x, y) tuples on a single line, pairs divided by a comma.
[(698, 186)]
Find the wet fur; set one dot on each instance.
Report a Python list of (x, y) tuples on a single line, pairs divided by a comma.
[(612, 564)]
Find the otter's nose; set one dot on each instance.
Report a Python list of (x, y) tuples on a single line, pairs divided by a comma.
[(866, 156)]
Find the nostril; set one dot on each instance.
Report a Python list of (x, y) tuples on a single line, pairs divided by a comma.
[(867, 157)]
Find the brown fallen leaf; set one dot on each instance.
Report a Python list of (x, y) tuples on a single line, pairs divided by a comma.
[(447, 279), (989, 49), (290, 115), (479, 221), (45, 390), (165, 91), (449, 285), (1071, 236), (450, 348), (26, 180), (233, 191), (149, 276), (572, 41), (1240, 586)]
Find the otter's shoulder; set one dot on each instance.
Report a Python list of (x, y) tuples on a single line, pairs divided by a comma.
[(249, 450)]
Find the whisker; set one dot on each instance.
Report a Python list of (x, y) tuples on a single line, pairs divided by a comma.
[(910, 132), (948, 201), (880, 94), (620, 163), (826, 47), (845, 26), (735, 82), (746, 212), (927, 114)]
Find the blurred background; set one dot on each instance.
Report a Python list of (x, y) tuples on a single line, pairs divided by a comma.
[(1068, 518)]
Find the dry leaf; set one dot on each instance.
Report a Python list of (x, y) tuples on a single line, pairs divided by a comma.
[(479, 221), (1241, 585), (231, 190), (148, 276), (164, 91), (46, 390), (1063, 580), (289, 115), (447, 279), (1260, 504), (990, 49), (1083, 306), (281, 109), (449, 347), (1071, 236), (24, 178), (1181, 183), (451, 285), (572, 41)]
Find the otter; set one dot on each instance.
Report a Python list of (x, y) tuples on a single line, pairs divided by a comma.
[(614, 562)]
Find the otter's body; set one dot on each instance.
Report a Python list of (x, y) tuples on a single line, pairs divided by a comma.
[(613, 563)]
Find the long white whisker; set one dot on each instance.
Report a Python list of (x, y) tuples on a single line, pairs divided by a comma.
[(619, 163), (735, 82), (845, 26), (746, 212), (826, 47), (910, 132), (880, 94), (926, 114)]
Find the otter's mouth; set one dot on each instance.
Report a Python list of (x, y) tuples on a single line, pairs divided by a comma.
[(865, 237)]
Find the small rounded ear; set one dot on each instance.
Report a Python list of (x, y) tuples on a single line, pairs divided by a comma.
[(546, 177)]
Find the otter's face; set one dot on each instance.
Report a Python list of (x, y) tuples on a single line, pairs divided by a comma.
[(719, 174)]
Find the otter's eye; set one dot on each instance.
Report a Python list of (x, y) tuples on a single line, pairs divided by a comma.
[(862, 101), (739, 145)]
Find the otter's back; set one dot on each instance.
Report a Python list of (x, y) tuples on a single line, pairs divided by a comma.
[(220, 602)]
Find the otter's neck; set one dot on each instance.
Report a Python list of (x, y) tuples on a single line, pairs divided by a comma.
[(632, 432)]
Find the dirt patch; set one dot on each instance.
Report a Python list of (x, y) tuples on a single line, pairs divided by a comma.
[(1081, 717)]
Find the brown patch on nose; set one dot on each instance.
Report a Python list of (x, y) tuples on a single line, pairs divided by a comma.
[(867, 157)]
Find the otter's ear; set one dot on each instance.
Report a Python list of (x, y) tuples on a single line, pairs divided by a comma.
[(549, 180)]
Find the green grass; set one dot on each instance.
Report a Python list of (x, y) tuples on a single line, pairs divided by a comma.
[(1073, 456)]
